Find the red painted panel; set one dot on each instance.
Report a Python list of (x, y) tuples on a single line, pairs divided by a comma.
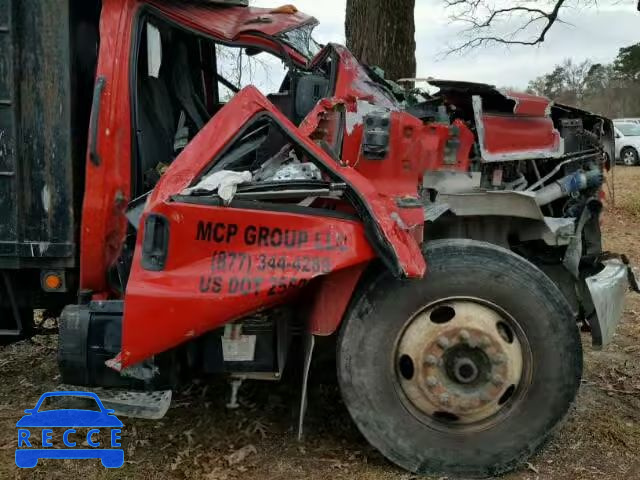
[(176, 306), (229, 23), (107, 185), (331, 299), (354, 82), (229, 120), (512, 135), (226, 263), (529, 105)]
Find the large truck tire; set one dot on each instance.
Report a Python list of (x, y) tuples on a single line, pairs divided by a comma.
[(465, 372)]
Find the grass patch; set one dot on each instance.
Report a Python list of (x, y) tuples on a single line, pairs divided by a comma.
[(629, 203)]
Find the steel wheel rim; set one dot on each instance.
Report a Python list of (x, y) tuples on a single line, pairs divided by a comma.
[(461, 364)]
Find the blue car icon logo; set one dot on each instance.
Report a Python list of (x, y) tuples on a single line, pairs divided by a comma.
[(61, 443)]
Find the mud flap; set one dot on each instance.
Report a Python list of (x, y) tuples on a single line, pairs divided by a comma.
[(608, 289)]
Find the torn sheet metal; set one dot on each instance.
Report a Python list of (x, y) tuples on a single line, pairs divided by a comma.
[(399, 249), (269, 168), (433, 211), (554, 231), (285, 166), (355, 83), (225, 263), (529, 105), (297, 171), (493, 203), (447, 181), (608, 289), (519, 137), (230, 22)]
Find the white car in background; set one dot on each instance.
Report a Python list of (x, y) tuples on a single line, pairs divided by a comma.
[(627, 142), (627, 120)]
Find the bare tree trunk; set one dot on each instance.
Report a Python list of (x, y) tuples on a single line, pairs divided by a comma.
[(382, 33)]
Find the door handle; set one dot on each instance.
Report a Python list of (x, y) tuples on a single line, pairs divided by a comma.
[(155, 243), (101, 82)]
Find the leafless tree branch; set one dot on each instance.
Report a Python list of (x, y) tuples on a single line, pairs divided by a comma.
[(490, 22)]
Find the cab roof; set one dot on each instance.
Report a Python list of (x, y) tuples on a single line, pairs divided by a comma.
[(229, 22)]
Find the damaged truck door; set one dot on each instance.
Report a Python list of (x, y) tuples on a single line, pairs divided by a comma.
[(248, 214)]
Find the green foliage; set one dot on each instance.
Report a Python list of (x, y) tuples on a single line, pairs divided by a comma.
[(567, 82), (612, 90), (627, 63)]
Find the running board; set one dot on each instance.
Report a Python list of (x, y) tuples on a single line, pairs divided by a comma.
[(10, 333), (128, 403)]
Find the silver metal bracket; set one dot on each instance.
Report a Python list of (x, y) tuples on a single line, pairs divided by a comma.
[(308, 354), (236, 383)]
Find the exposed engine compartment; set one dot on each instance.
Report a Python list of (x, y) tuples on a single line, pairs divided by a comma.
[(553, 155)]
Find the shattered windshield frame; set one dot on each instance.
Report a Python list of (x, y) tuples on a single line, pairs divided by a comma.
[(301, 39)]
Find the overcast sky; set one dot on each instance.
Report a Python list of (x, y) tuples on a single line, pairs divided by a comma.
[(594, 33)]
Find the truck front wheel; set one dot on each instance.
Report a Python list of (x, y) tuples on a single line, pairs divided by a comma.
[(465, 372)]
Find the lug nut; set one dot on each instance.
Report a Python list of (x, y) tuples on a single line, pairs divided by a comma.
[(443, 342), (470, 403), (431, 360), (465, 336), (485, 397), (432, 382), (497, 380), (499, 359), (444, 399), (484, 342)]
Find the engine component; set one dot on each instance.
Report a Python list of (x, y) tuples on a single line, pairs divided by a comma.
[(574, 183), (254, 348), (375, 145), (90, 335), (571, 130), (90, 339), (310, 89)]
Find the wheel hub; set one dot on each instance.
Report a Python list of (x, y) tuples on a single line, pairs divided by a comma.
[(460, 361), (629, 158), (465, 370)]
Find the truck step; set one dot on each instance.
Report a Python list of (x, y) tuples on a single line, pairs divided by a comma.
[(128, 403)]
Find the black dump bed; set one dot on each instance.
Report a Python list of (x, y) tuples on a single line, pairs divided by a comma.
[(45, 91)]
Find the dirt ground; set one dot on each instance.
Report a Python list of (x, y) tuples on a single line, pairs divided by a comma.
[(600, 440)]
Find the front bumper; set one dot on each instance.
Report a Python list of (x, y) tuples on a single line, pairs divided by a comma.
[(608, 289)]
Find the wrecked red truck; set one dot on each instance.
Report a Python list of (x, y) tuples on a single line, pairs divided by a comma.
[(449, 242)]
